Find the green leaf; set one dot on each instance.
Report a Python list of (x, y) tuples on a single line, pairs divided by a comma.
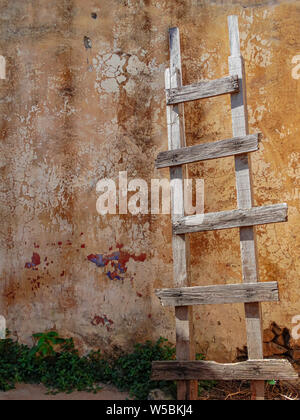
[(273, 382), (58, 341), (52, 334), (33, 351)]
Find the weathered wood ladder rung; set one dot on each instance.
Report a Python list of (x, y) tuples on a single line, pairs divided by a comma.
[(207, 151), (210, 89), (231, 219), (250, 370), (185, 370), (219, 294)]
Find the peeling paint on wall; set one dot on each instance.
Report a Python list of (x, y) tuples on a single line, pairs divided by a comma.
[(115, 262)]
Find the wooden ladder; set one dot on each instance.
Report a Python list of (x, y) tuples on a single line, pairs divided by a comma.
[(185, 370)]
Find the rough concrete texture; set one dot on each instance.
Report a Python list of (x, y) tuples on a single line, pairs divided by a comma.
[(84, 99)]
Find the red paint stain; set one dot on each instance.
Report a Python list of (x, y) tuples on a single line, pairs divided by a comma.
[(125, 257), (59, 243), (114, 275), (117, 262), (139, 294), (83, 246), (102, 320), (62, 274), (35, 260)]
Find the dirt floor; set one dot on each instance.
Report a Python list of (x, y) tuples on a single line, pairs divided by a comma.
[(289, 391), (236, 390), (38, 392)]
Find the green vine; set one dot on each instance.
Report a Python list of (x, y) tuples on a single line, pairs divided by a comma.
[(55, 363)]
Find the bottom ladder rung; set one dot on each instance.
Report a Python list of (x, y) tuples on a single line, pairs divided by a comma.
[(200, 370)]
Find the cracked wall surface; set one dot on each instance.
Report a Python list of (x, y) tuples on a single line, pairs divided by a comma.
[(84, 99)]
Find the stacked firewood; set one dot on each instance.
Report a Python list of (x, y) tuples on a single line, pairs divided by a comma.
[(277, 344)]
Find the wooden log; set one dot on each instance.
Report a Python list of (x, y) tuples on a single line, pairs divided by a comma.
[(276, 329), (268, 335), (296, 354), (231, 219), (202, 370), (214, 150), (219, 294), (207, 89), (273, 349), (186, 390), (280, 340)]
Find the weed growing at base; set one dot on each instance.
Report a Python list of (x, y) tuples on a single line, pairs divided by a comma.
[(55, 363)]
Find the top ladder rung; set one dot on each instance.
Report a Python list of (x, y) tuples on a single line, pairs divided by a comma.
[(208, 89)]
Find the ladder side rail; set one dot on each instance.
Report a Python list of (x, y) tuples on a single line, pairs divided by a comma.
[(186, 390), (245, 200)]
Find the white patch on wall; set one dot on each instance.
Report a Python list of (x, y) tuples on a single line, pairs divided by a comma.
[(109, 72), (130, 87), (293, 169), (283, 132), (114, 71), (135, 66), (2, 67), (257, 114), (110, 85), (262, 90), (258, 51), (266, 14)]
